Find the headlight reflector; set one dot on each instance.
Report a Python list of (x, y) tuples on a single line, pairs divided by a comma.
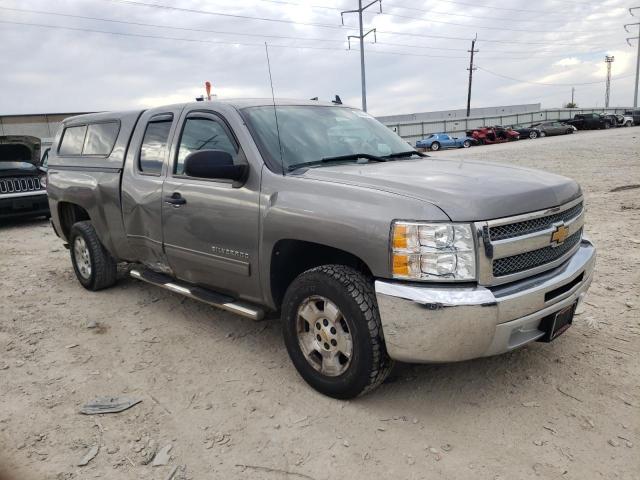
[(433, 251)]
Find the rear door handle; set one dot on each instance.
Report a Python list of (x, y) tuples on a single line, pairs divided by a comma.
[(175, 199)]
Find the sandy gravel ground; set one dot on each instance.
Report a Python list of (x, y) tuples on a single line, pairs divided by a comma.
[(221, 390)]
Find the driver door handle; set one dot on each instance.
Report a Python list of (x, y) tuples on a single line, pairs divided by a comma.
[(175, 199)]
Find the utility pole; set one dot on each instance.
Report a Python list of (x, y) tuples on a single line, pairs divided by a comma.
[(471, 69), (573, 91), (359, 11), (609, 60), (635, 94)]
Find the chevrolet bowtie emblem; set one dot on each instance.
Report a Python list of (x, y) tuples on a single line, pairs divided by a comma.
[(559, 235)]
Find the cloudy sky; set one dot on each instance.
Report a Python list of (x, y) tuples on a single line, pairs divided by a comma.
[(86, 55)]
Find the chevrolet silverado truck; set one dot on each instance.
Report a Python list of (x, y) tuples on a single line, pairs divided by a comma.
[(369, 251)]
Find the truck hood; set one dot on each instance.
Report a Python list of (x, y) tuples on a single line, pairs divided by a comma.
[(464, 190)]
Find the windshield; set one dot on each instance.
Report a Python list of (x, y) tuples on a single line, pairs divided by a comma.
[(311, 133)]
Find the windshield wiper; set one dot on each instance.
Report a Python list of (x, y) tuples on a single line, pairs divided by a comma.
[(408, 153), (340, 158)]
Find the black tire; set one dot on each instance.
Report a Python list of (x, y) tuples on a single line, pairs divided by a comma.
[(353, 294), (627, 124), (533, 134), (570, 131), (103, 267), (607, 126), (435, 146), (466, 144)]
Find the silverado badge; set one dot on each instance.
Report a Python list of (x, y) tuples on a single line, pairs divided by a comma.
[(559, 235)]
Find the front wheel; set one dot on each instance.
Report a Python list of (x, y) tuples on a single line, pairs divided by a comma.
[(333, 333), (627, 124), (533, 134), (466, 144), (607, 126), (94, 266), (435, 146), (543, 134)]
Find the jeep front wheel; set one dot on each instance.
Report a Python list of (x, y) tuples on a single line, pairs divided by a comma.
[(332, 331), (95, 267)]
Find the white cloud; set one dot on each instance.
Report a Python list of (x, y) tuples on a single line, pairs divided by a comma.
[(568, 62)]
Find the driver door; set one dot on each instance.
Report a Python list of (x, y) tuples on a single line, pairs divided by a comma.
[(211, 226)]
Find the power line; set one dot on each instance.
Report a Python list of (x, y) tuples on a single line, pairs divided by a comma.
[(219, 42), (288, 37), (547, 84), (319, 25)]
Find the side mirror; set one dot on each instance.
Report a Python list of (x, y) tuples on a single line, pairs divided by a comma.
[(213, 164)]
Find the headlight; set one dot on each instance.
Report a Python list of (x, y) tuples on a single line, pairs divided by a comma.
[(43, 181), (433, 251)]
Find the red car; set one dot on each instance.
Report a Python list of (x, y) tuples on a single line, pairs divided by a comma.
[(489, 135)]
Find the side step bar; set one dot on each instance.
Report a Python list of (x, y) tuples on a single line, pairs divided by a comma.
[(198, 293)]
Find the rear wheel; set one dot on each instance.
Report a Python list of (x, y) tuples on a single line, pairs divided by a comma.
[(533, 134), (627, 124), (435, 146), (607, 126), (543, 134), (95, 267), (466, 144), (333, 333)]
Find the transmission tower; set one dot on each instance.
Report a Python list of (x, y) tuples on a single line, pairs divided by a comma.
[(359, 11), (609, 60), (626, 27)]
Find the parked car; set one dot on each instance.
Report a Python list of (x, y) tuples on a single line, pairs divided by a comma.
[(635, 115), (22, 188), (369, 252), (589, 121), (489, 135), (619, 120), (436, 141), (544, 129)]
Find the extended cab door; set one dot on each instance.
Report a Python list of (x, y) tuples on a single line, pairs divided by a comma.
[(211, 226), (144, 172)]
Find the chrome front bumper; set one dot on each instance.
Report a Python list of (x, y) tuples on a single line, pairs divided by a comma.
[(447, 323)]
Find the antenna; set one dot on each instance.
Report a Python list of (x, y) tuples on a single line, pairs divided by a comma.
[(275, 111)]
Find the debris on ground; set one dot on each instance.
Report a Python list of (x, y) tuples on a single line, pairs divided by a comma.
[(91, 454), (162, 457), (108, 405)]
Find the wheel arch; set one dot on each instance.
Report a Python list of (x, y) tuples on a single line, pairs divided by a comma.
[(289, 258), (70, 213)]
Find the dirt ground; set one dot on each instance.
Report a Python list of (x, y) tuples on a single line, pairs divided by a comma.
[(221, 390)]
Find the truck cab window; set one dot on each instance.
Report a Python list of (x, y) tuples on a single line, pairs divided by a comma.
[(154, 147), (203, 134)]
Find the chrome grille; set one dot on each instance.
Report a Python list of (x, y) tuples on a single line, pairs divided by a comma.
[(19, 184), (535, 258), (518, 229)]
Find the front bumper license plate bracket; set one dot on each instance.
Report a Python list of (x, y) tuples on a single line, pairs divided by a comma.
[(556, 324)]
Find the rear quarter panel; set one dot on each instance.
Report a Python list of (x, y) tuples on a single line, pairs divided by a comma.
[(92, 182)]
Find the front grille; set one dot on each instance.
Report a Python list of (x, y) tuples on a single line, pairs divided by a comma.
[(19, 184), (535, 258), (502, 232)]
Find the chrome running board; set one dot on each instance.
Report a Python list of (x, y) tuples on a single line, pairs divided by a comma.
[(198, 293)]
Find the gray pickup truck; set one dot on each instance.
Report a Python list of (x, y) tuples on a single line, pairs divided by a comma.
[(369, 252)]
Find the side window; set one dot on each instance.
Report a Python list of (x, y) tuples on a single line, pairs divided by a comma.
[(100, 138), (153, 150), (72, 140), (203, 134)]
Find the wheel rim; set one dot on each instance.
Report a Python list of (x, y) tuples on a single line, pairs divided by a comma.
[(543, 134), (466, 144), (324, 336), (82, 258), (533, 135), (435, 146)]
